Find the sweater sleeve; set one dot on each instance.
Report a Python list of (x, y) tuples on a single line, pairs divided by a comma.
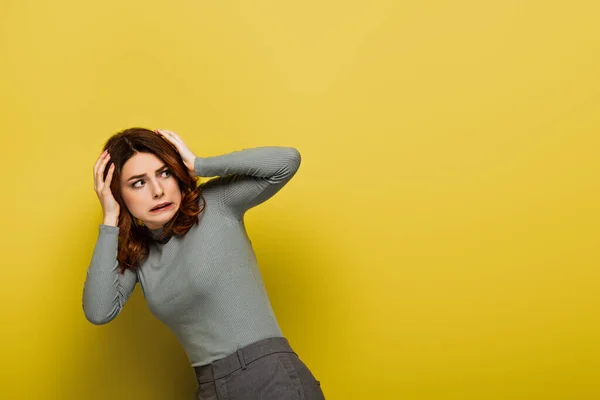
[(248, 177), (106, 290)]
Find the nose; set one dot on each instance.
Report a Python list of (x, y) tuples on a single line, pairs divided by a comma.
[(157, 192)]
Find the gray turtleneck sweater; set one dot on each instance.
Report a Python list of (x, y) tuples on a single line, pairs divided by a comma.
[(206, 285)]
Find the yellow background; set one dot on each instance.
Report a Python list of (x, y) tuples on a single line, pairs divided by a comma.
[(440, 240)]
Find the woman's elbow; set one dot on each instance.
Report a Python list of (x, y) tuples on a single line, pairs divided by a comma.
[(97, 318), (294, 158)]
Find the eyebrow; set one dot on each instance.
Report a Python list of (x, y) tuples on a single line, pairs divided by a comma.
[(144, 175)]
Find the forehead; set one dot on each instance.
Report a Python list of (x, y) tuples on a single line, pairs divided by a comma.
[(141, 163)]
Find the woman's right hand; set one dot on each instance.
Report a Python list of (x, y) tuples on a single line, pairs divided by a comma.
[(110, 206)]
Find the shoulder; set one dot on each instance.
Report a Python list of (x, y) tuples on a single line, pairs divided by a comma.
[(212, 192), (210, 189), (215, 183)]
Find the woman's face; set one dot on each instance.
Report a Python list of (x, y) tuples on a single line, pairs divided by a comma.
[(147, 182)]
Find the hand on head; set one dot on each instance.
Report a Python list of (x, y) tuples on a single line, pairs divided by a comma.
[(110, 206)]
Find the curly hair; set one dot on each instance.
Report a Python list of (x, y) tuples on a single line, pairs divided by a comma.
[(134, 240)]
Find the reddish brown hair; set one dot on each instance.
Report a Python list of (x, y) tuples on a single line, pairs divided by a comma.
[(134, 239)]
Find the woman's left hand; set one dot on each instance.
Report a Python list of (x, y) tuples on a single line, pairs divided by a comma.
[(186, 154)]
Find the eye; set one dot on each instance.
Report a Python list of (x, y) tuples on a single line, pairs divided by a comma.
[(166, 171)]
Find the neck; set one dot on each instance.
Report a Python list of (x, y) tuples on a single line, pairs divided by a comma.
[(156, 234)]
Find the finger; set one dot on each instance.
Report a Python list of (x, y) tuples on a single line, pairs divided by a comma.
[(109, 176), (98, 172), (99, 160), (174, 136), (101, 170), (169, 138), (104, 164), (164, 134)]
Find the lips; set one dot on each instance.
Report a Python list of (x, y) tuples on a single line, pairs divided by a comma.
[(159, 206)]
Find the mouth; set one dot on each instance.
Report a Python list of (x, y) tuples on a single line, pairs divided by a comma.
[(161, 207)]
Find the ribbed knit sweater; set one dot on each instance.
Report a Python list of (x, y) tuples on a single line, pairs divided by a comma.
[(205, 285)]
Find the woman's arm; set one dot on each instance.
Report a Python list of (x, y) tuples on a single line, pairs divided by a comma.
[(106, 290), (248, 177)]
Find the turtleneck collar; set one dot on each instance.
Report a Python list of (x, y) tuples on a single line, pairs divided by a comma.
[(155, 234)]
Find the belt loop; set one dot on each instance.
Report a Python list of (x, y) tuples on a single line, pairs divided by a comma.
[(241, 357)]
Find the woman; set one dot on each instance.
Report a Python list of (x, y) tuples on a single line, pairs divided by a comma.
[(188, 247)]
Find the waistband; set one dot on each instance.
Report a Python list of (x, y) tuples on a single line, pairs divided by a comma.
[(241, 358)]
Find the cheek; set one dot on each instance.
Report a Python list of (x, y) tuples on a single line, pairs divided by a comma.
[(174, 189), (176, 196), (132, 200)]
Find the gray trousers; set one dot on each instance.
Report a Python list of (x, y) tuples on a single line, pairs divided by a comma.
[(265, 370)]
